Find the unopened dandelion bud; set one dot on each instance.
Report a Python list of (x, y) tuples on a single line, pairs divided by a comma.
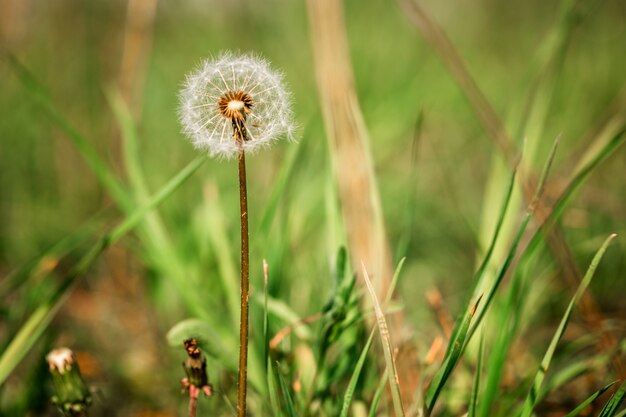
[(233, 101), (195, 368), (71, 393)]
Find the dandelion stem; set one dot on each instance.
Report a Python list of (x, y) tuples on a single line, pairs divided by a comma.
[(243, 329), (192, 406)]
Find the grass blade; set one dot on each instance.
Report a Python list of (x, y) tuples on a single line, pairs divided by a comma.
[(471, 411), (614, 402), (387, 348), (378, 394), (347, 398), (42, 316), (271, 385), (104, 174), (47, 260), (516, 241), (589, 400), (576, 182), (278, 191), (291, 409), (480, 273), (532, 397), (444, 371), (508, 322)]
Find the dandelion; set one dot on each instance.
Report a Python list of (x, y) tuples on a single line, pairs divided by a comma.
[(232, 98), (197, 379), (229, 106), (71, 394)]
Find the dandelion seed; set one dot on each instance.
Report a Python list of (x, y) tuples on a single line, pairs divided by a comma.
[(220, 96)]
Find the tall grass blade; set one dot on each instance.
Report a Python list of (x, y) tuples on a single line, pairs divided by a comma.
[(104, 174), (411, 197), (291, 409), (575, 184), (42, 316), (378, 393), (272, 392), (266, 318), (152, 231), (444, 371), (471, 409), (220, 246), (531, 399), (347, 399), (440, 42), (394, 383), (507, 321), (589, 400), (278, 190), (614, 402), (516, 241), (47, 260), (271, 384), (480, 273), (354, 378)]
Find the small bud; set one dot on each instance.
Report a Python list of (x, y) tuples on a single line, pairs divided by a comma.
[(71, 393), (195, 368)]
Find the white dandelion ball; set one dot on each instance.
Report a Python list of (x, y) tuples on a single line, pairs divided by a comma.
[(235, 97)]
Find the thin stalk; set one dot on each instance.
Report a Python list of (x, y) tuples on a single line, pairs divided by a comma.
[(192, 406), (245, 282)]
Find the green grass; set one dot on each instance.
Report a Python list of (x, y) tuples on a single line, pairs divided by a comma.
[(84, 181)]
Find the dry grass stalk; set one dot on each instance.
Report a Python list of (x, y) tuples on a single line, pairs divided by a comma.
[(138, 35), (353, 167), (14, 24), (349, 143)]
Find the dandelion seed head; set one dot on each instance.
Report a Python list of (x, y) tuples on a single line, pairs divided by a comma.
[(233, 92)]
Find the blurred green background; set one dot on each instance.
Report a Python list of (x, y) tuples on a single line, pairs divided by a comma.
[(434, 204)]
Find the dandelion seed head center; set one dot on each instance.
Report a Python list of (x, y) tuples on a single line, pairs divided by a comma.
[(235, 104)]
